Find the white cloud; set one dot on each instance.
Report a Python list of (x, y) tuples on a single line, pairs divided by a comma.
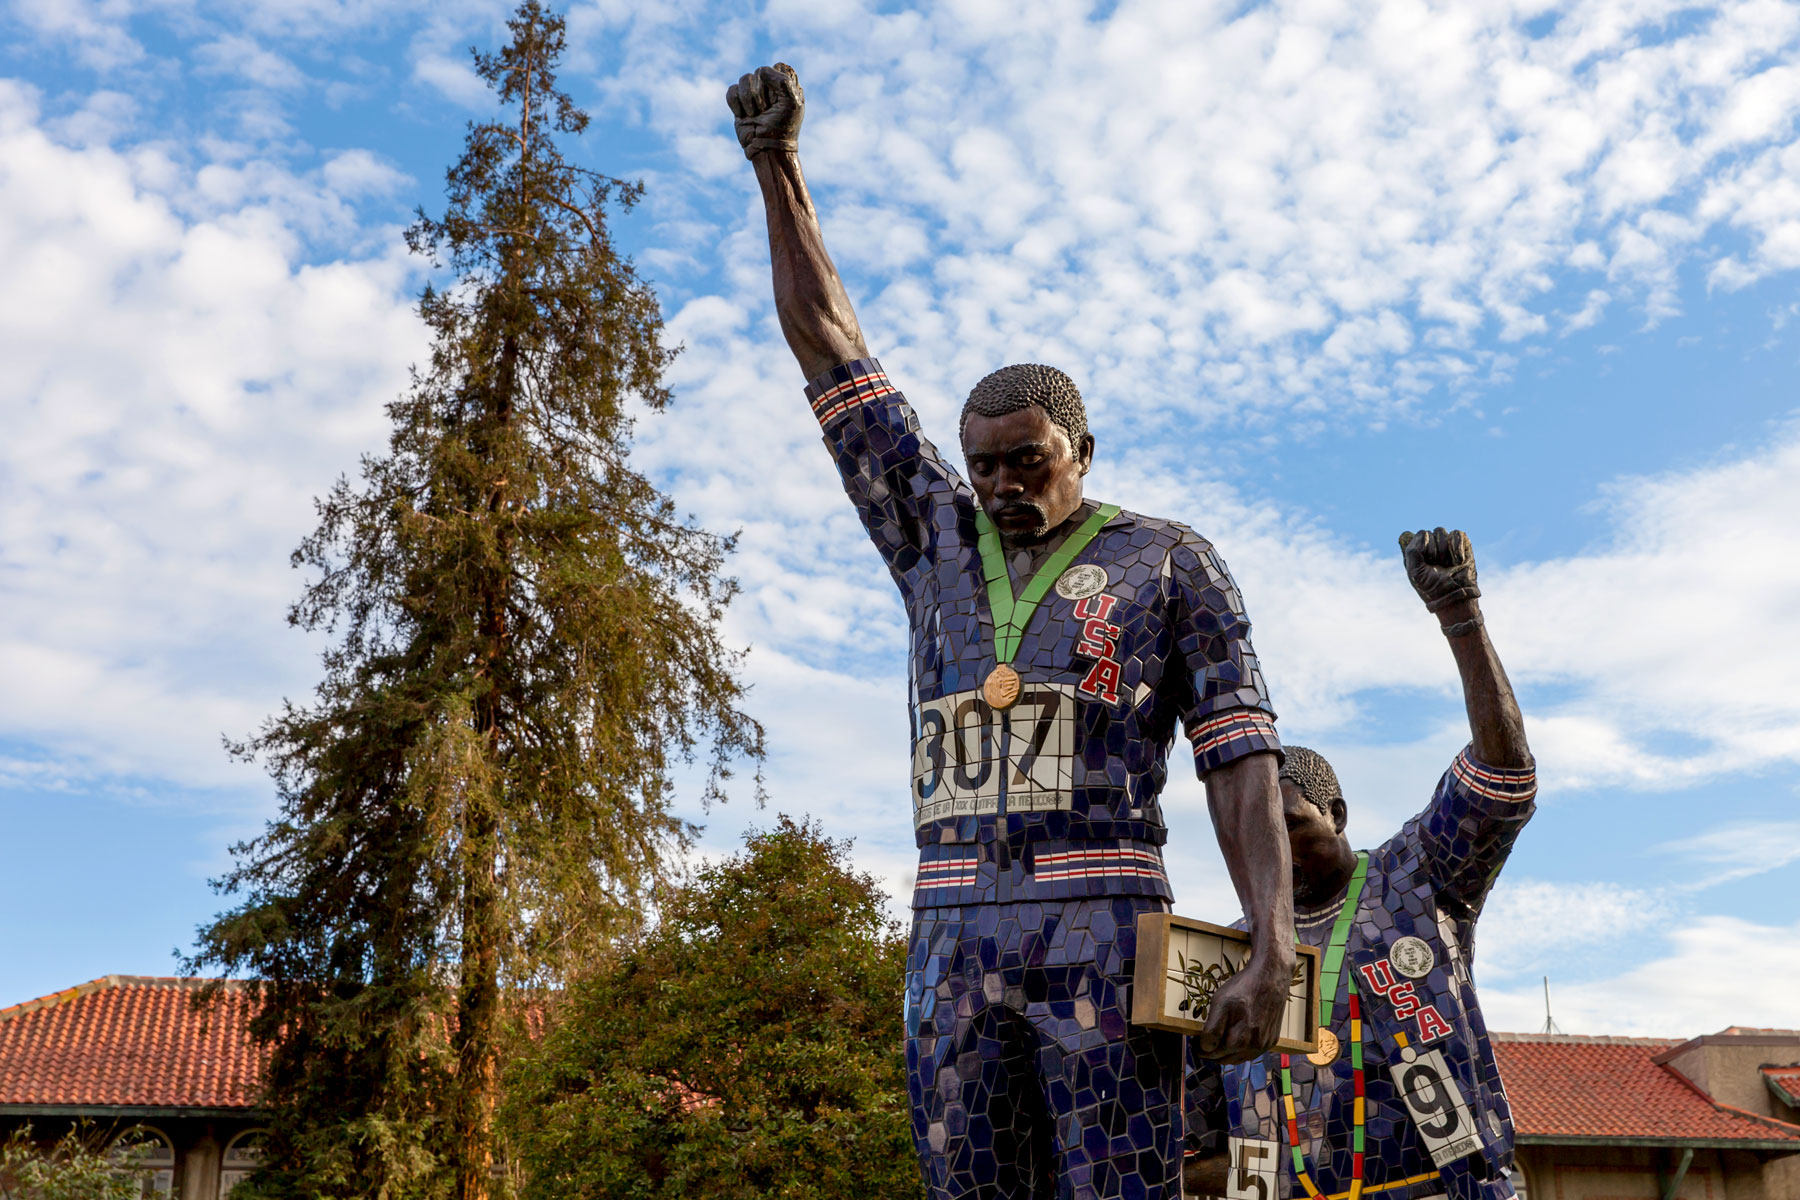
[(98, 29), (1740, 850), (1528, 922), (1285, 208), (1676, 636), (181, 382), (1717, 972), (246, 59)]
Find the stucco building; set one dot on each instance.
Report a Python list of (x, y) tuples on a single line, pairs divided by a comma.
[(1612, 1118)]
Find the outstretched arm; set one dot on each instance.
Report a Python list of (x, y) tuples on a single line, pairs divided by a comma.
[(1441, 567), (816, 317), (1244, 797)]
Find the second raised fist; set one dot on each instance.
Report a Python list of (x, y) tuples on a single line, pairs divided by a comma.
[(1441, 565)]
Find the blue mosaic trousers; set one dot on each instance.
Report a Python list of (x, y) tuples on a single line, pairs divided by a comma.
[(1028, 1082)]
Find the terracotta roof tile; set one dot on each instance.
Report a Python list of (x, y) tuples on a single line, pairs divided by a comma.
[(1562, 1086), (128, 1041), (1785, 1080)]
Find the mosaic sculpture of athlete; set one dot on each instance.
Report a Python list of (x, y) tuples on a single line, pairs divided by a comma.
[(1403, 1099), (1055, 644)]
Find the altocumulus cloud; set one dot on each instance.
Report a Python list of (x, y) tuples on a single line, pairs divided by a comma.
[(1284, 207), (180, 385)]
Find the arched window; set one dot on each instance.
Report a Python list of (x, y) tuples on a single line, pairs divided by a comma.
[(243, 1154), (150, 1155)]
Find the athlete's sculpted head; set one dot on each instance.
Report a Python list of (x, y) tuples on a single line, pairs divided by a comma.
[(1312, 803), (1026, 444)]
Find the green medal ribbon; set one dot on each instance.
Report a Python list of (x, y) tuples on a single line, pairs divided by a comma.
[(1011, 615), (1333, 965), (1331, 971)]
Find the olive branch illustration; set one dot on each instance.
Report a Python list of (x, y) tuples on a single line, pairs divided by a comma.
[(1199, 984)]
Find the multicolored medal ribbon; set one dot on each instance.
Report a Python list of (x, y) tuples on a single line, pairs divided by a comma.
[(1331, 972), (1011, 615)]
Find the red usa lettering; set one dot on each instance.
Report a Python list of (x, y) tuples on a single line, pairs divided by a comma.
[(1102, 681), (1379, 976), (1098, 639), (1096, 607), (1402, 998), (1431, 1024)]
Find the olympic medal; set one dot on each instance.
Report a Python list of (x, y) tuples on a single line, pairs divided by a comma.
[(1080, 582), (1328, 1049), (1412, 957), (1001, 688)]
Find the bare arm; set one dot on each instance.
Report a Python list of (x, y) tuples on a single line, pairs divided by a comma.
[(1441, 566), (1244, 797), (816, 317)]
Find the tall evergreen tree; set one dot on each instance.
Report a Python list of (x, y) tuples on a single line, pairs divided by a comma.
[(526, 642)]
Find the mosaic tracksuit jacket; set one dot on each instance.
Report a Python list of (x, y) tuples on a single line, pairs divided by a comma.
[(1057, 797), (1438, 1123)]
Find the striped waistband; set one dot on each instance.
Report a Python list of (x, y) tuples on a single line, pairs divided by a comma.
[(989, 873), (1136, 862)]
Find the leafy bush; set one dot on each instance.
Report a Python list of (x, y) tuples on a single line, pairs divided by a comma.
[(70, 1170), (748, 1045)]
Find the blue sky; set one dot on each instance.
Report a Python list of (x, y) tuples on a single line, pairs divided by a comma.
[(1324, 272)]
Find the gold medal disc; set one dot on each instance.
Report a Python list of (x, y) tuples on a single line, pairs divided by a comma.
[(1328, 1049), (1001, 688)]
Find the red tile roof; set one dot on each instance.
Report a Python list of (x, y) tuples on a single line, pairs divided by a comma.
[(127, 1041), (1785, 1080), (1563, 1086)]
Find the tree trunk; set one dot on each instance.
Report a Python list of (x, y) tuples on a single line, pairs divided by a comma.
[(477, 1058), (476, 1067)]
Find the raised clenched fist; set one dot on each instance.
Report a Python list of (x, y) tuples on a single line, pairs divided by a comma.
[(1441, 566), (769, 106)]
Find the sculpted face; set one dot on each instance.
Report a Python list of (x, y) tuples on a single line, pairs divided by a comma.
[(1025, 473), (1315, 841)]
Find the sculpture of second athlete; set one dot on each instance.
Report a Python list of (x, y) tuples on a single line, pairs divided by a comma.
[(1403, 1097)]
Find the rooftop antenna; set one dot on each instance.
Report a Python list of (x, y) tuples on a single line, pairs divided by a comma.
[(1550, 1025)]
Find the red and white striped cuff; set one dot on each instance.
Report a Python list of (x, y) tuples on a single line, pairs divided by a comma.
[(845, 387), (1494, 783), (1220, 739)]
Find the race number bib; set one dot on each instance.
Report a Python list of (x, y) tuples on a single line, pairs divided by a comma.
[(1250, 1175), (1438, 1109), (966, 751)]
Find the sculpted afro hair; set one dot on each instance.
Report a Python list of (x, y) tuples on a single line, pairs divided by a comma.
[(1314, 775), (1026, 384)]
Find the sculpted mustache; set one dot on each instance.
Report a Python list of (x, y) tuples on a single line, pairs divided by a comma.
[(1036, 512)]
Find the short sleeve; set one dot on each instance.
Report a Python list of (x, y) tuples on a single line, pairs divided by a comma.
[(1468, 829), (903, 490), (1225, 705)]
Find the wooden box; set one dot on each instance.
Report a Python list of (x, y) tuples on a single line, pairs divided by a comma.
[(1181, 962)]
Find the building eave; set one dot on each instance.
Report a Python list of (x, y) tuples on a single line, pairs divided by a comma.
[(1678, 1143), (116, 1111)]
